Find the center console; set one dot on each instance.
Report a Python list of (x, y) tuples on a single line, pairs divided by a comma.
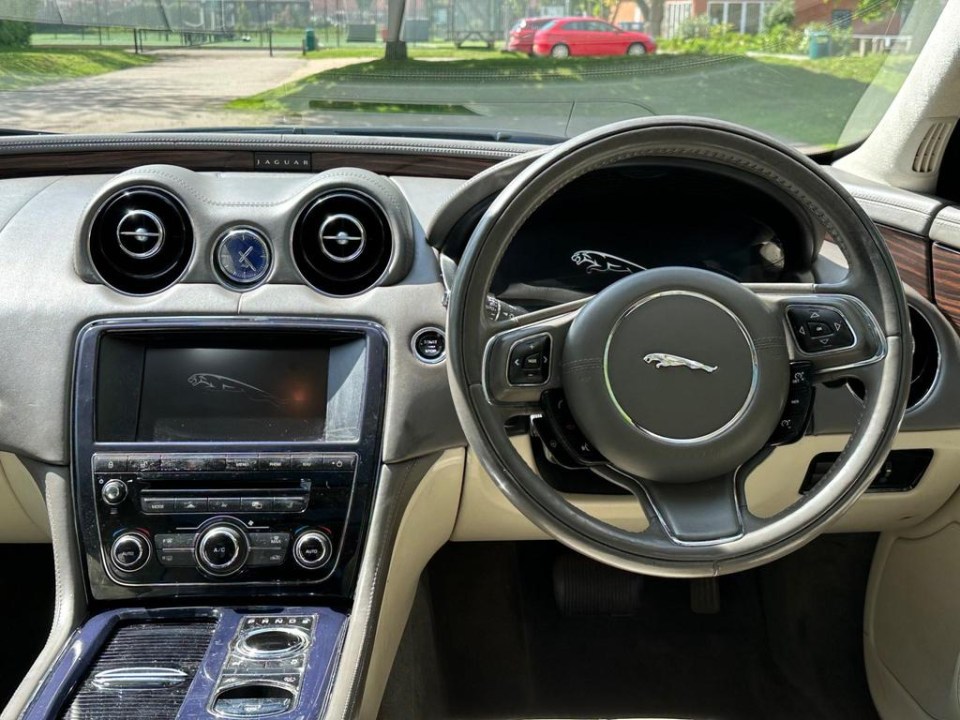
[(217, 456)]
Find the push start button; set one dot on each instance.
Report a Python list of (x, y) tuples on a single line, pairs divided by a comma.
[(430, 345)]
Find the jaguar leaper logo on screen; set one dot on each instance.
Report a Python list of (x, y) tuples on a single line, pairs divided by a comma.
[(599, 262), (209, 382)]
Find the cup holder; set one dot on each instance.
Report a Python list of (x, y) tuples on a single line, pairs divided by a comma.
[(273, 642), (254, 700)]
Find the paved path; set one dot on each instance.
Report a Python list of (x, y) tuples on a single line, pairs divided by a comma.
[(182, 89)]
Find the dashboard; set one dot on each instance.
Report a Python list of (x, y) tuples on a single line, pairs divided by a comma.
[(176, 320), (622, 220)]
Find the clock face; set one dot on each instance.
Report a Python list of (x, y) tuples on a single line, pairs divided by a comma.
[(243, 256)]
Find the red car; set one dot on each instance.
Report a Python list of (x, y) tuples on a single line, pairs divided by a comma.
[(564, 37), (521, 35)]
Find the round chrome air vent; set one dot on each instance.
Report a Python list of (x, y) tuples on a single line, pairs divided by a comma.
[(141, 240), (342, 243), (925, 364)]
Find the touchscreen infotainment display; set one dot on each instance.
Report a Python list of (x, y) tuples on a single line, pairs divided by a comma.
[(232, 394), (168, 389)]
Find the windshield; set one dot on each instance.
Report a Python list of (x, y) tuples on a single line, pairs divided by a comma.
[(815, 73)]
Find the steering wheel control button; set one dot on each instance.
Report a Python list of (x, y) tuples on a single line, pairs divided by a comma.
[(222, 550), (796, 413), (819, 328), (242, 257), (313, 549), (563, 428), (130, 552), (529, 361), (430, 345), (114, 492)]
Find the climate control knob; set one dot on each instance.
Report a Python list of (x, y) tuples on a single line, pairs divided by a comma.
[(222, 550), (313, 549), (130, 551)]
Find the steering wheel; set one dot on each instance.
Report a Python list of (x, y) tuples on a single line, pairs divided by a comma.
[(674, 383)]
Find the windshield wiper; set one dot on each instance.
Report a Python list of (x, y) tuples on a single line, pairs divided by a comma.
[(423, 133), (11, 132)]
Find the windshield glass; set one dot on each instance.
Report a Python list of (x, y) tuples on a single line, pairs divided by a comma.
[(815, 73)]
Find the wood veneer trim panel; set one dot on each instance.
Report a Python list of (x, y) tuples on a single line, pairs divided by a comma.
[(912, 254), (946, 281), (115, 161)]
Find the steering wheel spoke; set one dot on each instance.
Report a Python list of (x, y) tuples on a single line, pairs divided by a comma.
[(707, 512), (827, 327), (520, 357)]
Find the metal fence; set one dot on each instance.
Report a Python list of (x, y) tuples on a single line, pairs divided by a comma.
[(201, 21)]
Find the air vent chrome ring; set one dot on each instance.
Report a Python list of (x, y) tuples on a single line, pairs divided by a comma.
[(140, 234), (140, 240), (342, 238), (342, 243)]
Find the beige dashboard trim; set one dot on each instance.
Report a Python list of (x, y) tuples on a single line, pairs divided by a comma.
[(23, 513), (911, 618), (426, 526), (486, 514)]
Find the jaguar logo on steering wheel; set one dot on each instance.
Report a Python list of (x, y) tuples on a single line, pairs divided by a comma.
[(663, 360)]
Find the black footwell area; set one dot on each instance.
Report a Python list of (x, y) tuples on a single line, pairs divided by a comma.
[(26, 606), (786, 642)]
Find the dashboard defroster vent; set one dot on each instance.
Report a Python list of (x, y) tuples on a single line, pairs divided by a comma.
[(342, 243), (141, 240), (931, 148)]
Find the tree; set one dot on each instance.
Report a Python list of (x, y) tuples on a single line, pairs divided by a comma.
[(15, 34), (878, 9), (652, 15)]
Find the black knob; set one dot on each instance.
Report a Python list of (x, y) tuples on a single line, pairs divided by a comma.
[(114, 492), (130, 551), (313, 549), (222, 550)]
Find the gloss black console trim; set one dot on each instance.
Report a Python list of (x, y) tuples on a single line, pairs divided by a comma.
[(310, 673), (336, 497)]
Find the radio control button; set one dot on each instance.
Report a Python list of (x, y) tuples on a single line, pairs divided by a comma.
[(191, 504), (109, 463), (177, 557), (130, 551), (223, 504), (241, 462), (143, 463), (153, 504), (289, 504), (174, 541), (339, 461), (274, 461), (256, 504), (114, 491), (307, 461)]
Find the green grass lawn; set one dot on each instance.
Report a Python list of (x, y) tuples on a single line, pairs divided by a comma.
[(25, 68), (807, 102)]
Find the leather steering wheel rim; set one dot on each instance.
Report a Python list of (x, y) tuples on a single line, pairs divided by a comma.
[(872, 292)]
